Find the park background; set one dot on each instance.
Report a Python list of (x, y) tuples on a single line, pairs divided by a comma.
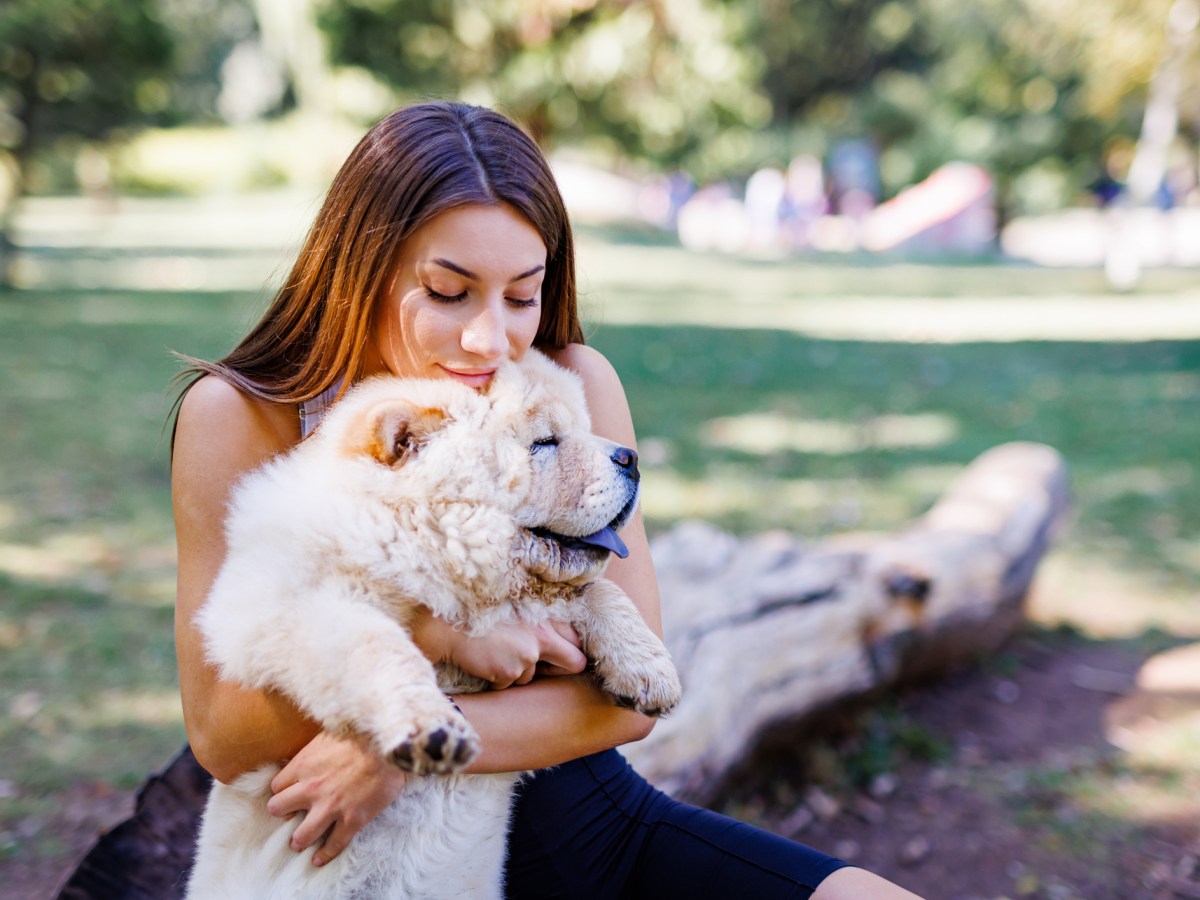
[(835, 249)]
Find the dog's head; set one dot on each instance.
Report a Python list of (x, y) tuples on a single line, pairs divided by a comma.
[(524, 447), (582, 487)]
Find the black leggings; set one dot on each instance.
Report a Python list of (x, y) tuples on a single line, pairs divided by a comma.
[(593, 829)]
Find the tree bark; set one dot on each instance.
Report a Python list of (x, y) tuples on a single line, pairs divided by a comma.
[(770, 634)]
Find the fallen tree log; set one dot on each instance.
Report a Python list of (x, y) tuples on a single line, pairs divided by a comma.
[(770, 633)]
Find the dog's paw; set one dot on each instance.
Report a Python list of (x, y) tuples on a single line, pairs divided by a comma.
[(652, 687), (438, 745)]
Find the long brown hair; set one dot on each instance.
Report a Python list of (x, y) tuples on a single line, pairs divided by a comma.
[(418, 162)]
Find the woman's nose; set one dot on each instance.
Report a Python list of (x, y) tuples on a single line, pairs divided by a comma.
[(483, 334)]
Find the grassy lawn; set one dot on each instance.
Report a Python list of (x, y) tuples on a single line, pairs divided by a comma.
[(815, 397)]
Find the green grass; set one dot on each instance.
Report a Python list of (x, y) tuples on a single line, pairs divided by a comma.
[(745, 417), (87, 667)]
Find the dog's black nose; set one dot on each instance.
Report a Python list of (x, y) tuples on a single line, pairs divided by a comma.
[(626, 459)]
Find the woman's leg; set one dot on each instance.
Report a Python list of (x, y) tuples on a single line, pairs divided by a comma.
[(595, 829), (855, 884)]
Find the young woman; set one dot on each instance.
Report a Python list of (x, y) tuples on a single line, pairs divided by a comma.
[(442, 249)]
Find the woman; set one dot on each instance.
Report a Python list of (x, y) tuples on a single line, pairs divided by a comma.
[(442, 249)]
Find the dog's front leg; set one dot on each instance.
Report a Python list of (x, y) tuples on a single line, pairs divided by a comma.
[(349, 666), (630, 661)]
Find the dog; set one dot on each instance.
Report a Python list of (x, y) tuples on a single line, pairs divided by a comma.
[(485, 507)]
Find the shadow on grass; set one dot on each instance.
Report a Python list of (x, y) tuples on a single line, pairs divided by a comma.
[(91, 684)]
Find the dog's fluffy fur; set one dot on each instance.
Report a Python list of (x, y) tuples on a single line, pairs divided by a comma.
[(414, 493)]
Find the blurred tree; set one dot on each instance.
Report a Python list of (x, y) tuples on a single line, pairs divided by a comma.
[(674, 81), (78, 67), (1031, 90), (206, 33)]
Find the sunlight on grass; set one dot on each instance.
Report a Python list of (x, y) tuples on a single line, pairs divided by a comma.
[(1103, 598), (670, 496), (119, 561), (112, 707), (1185, 554), (747, 496), (61, 557), (1146, 788), (764, 433), (939, 305), (1141, 481)]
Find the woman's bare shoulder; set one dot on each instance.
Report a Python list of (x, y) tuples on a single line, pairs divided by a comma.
[(602, 386), (225, 427), (589, 364)]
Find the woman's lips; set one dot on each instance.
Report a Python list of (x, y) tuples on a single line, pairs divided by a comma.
[(476, 378)]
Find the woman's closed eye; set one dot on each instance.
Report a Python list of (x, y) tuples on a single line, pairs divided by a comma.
[(439, 297)]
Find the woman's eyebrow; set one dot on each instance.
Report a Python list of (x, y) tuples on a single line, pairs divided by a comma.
[(524, 275), (467, 273)]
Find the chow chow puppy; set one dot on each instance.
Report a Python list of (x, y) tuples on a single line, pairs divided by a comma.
[(485, 508)]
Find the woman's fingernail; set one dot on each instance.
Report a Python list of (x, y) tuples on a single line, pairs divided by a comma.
[(318, 860)]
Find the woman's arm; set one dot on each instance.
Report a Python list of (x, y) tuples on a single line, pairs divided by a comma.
[(221, 435)]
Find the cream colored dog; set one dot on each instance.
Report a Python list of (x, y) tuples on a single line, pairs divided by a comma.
[(485, 508)]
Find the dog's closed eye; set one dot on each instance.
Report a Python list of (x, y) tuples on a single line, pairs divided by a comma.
[(542, 444)]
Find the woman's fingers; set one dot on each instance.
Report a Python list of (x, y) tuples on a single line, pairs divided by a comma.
[(516, 653), (285, 777), (288, 801), (559, 652), (310, 831), (337, 841), (512, 675), (339, 784)]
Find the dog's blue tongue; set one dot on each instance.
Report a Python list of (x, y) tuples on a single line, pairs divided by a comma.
[(608, 539)]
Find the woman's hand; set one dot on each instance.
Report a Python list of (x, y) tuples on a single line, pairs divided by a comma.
[(506, 655), (341, 784), (514, 654)]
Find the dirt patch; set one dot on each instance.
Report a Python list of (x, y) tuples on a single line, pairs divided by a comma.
[(47, 848), (1029, 797)]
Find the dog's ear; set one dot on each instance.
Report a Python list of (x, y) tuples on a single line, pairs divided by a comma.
[(393, 430)]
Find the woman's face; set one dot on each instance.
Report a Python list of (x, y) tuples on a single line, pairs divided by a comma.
[(465, 297)]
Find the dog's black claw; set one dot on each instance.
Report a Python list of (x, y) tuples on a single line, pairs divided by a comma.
[(625, 702), (436, 744), (402, 756), (463, 753)]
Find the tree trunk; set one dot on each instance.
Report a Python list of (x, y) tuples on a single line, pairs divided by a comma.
[(771, 634), (1124, 255)]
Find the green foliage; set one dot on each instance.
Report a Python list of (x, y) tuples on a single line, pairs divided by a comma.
[(673, 82), (80, 67), (1027, 90), (1032, 91)]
